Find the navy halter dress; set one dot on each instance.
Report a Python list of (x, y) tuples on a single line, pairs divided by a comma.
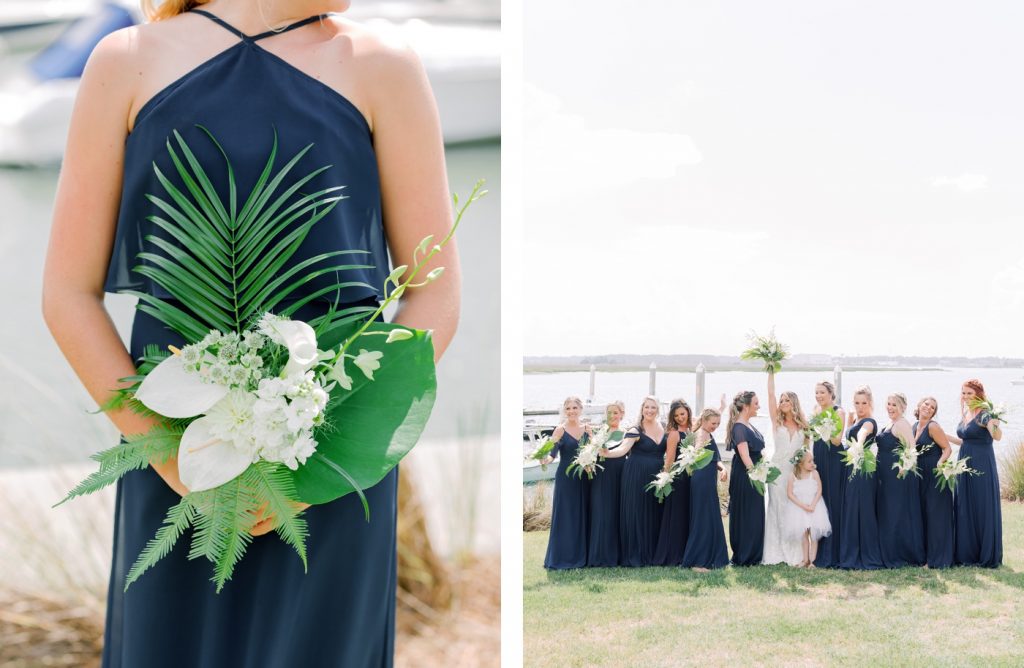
[(936, 504), (858, 539), (746, 505), (640, 513), (829, 460), (898, 507), (271, 613), (675, 520), (603, 547), (705, 543), (979, 519), (570, 510)]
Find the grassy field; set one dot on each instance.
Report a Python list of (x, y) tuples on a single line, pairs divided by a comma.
[(776, 615)]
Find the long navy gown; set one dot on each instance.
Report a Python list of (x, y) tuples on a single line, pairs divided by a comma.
[(829, 460), (603, 549), (898, 507), (640, 513), (570, 511), (746, 505), (858, 541), (705, 544), (979, 519), (675, 521), (936, 504), (271, 613)]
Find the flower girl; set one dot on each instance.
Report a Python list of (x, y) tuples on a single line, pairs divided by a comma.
[(806, 515)]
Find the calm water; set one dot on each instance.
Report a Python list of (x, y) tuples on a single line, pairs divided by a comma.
[(548, 390), (43, 413)]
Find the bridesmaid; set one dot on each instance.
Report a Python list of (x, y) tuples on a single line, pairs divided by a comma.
[(898, 506), (789, 423), (979, 520), (603, 549), (936, 504), (567, 542), (828, 457), (746, 505), (675, 520), (858, 538), (705, 544), (639, 510)]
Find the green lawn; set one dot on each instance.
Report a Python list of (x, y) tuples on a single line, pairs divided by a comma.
[(776, 615)]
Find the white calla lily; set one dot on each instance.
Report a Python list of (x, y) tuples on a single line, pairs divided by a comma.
[(300, 340), (204, 461), (173, 392)]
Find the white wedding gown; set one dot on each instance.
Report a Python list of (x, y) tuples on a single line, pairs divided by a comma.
[(779, 544)]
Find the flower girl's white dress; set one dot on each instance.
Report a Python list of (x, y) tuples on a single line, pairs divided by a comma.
[(799, 520), (779, 544)]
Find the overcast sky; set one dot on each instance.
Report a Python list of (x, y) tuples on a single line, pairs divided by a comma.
[(849, 172)]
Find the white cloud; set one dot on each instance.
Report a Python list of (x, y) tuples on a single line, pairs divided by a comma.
[(967, 183)]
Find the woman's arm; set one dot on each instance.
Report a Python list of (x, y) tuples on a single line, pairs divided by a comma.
[(623, 449), (672, 442), (556, 436), (955, 440), (939, 436), (837, 440), (82, 233), (743, 451), (773, 403), (414, 186), (995, 428)]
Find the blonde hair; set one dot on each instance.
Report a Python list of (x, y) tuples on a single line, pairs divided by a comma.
[(917, 410), (866, 391), (901, 400), (568, 400), (739, 402), (615, 404), (640, 420), (168, 8), (798, 413), (830, 387), (705, 415)]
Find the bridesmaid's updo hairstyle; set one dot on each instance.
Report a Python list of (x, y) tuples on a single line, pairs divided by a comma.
[(917, 410), (978, 388), (900, 399), (866, 391), (739, 402), (829, 387), (640, 419), (570, 400), (706, 415), (615, 404), (168, 8), (673, 407)]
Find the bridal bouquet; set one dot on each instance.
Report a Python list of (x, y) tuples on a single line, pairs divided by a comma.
[(995, 412), (826, 425), (948, 472), (586, 460), (860, 458), (762, 475), (906, 458), (767, 349), (264, 412)]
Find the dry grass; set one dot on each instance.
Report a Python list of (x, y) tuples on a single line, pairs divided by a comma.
[(1011, 472), (537, 507)]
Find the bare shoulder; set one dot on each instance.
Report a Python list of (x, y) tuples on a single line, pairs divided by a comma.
[(381, 49)]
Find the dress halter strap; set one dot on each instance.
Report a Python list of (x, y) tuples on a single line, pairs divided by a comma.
[(252, 38)]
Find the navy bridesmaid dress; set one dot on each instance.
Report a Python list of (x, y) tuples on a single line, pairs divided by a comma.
[(858, 541), (746, 505), (829, 460), (570, 511), (705, 544), (979, 519), (675, 521), (271, 613), (603, 547), (898, 507), (640, 513), (936, 504)]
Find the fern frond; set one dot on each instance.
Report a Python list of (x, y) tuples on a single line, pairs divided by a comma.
[(239, 504), (179, 517), (273, 485)]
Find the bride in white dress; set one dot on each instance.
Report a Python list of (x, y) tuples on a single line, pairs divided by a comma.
[(788, 424)]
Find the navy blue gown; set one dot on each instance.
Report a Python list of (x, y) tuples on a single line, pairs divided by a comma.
[(858, 539), (898, 507), (271, 613), (829, 460), (640, 513), (675, 521), (936, 505), (570, 510), (979, 519), (603, 549), (705, 544), (746, 505)]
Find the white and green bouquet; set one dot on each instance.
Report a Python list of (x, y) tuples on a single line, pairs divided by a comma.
[(826, 425), (692, 456), (995, 412), (766, 349), (948, 473), (263, 412), (662, 484), (860, 458), (763, 474), (906, 458), (588, 454), (542, 451)]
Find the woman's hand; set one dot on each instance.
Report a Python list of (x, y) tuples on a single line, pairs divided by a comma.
[(547, 460), (722, 475), (269, 522)]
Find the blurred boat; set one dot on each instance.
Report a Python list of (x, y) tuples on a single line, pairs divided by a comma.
[(461, 57)]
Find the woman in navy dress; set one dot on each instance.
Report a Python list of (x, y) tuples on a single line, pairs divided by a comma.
[(705, 544), (828, 457), (570, 507), (640, 513), (936, 504), (979, 519), (746, 505), (675, 520), (898, 506), (603, 547), (858, 539), (361, 108)]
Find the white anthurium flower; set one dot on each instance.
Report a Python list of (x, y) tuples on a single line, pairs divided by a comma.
[(218, 447), (300, 340), (367, 362), (173, 392)]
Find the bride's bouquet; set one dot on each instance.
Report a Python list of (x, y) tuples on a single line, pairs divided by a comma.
[(906, 458), (763, 474), (994, 412), (948, 473), (264, 412), (860, 458), (826, 425), (767, 349)]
